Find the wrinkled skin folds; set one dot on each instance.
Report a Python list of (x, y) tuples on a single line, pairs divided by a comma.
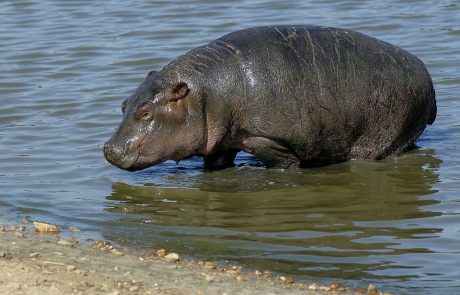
[(294, 96)]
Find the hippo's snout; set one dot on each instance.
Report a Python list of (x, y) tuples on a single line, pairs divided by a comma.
[(116, 155)]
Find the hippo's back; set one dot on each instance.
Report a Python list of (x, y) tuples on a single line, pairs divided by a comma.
[(326, 92)]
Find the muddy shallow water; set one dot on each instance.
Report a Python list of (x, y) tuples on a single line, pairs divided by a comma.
[(66, 66)]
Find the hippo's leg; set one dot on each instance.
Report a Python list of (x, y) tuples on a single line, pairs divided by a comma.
[(220, 160), (271, 153)]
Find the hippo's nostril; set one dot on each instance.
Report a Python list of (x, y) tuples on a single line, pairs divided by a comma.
[(115, 155)]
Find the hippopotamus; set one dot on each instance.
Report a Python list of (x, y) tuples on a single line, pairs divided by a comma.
[(293, 96)]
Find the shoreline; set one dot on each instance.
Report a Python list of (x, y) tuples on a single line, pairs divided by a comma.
[(43, 263)]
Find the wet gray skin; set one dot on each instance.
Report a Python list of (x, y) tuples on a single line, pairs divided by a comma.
[(294, 96)]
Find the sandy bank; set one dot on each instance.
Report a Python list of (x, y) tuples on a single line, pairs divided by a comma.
[(32, 263)]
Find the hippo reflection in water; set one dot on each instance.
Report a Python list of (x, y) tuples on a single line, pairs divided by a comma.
[(294, 96)]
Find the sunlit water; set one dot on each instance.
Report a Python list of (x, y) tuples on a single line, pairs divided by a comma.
[(65, 67)]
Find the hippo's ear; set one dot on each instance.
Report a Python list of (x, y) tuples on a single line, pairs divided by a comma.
[(151, 73), (178, 91)]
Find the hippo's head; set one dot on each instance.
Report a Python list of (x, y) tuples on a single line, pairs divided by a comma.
[(162, 121)]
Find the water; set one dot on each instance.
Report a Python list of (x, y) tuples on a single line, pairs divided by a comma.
[(66, 66)]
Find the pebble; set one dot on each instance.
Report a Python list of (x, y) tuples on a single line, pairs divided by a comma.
[(239, 278), (172, 257), (335, 286), (209, 265), (209, 278), (117, 252), (103, 245), (257, 272), (2, 254), (34, 255), (134, 288), (372, 290), (65, 243), (161, 253), (70, 268), (26, 220), (45, 227), (2, 228), (232, 271), (314, 287)]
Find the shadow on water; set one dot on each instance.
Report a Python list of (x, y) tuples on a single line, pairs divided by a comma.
[(348, 221)]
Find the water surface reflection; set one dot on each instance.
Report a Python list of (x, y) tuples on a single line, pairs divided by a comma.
[(349, 221)]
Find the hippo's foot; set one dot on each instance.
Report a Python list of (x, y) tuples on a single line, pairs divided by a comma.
[(271, 153), (220, 160)]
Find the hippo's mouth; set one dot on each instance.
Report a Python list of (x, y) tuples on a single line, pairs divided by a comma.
[(144, 161)]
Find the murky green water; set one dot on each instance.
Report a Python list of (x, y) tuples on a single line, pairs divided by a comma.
[(65, 67)]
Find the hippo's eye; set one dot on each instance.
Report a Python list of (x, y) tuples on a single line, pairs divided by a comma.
[(145, 111)]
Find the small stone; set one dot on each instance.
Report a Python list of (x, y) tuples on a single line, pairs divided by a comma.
[(82, 272), (103, 245), (172, 257), (42, 227), (209, 265), (70, 268), (26, 220), (335, 286), (2, 254), (161, 253), (257, 272), (209, 278), (116, 268), (34, 255), (372, 290), (117, 252), (239, 278), (2, 228), (65, 243), (21, 228), (134, 288), (74, 229), (232, 271), (282, 278), (314, 287)]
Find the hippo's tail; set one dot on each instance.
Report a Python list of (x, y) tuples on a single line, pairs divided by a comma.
[(433, 109)]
